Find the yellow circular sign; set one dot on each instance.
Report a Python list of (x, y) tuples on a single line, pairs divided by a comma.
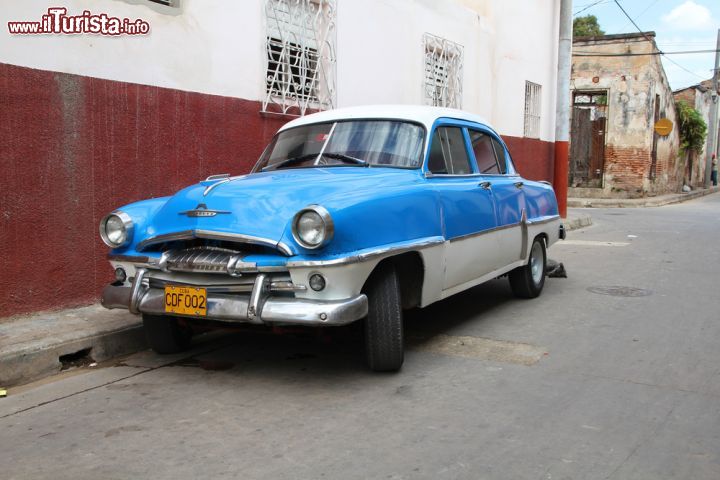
[(663, 127)]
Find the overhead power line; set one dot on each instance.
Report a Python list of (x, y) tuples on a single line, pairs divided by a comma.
[(598, 2), (660, 52), (632, 21), (646, 9)]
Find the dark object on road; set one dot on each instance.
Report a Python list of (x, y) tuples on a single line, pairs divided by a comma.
[(555, 269)]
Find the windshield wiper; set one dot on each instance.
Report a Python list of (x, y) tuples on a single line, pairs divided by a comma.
[(289, 161), (347, 158), (307, 156)]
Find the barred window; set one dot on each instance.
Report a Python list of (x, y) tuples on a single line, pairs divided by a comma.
[(532, 109), (300, 46), (443, 72)]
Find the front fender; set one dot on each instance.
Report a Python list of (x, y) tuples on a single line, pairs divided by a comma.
[(393, 216), (142, 214)]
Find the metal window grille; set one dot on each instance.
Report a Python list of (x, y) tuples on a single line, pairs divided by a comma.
[(300, 51), (443, 72), (532, 109)]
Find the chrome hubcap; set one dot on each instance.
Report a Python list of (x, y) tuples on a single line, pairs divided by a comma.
[(536, 263)]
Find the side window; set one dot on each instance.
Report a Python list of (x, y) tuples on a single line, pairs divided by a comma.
[(482, 145), (500, 154), (448, 153)]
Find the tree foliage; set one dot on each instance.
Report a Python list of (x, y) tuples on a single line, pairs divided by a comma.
[(586, 26), (691, 127)]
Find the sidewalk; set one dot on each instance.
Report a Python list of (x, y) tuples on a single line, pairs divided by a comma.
[(658, 201), (42, 344), (36, 346)]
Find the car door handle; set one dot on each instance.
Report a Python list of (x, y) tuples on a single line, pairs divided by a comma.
[(518, 184), (485, 185)]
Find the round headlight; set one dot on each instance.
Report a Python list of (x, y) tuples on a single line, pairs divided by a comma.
[(116, 229), (313, 227)]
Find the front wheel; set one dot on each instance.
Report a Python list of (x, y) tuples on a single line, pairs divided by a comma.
[(384, 350), (165, 334), (528, 281)]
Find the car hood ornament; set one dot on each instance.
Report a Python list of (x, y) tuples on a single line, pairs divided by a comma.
[(203, 211)]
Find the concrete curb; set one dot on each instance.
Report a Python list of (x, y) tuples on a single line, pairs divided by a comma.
[(575, 221), (658, 201), (31, 347)]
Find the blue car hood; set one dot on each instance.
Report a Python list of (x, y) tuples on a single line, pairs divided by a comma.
[(263, 204)]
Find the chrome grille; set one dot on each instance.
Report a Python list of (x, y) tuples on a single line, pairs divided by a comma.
[(202, 259)]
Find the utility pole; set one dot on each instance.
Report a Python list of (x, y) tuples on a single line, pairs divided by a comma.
[(562, 112), (713, 127)]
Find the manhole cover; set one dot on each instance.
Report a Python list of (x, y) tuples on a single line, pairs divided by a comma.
[(618, 291)]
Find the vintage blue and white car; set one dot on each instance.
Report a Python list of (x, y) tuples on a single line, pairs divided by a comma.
[(349, 215)]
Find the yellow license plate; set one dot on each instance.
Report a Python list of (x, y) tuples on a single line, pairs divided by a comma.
[(186, 301)]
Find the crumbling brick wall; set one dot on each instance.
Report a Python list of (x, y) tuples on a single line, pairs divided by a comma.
[(631, 83)]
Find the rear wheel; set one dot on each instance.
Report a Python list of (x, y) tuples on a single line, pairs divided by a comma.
[(528, 281), (384, 349), (166, 334)]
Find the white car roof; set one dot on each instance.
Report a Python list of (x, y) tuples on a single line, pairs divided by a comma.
[(425, 115)]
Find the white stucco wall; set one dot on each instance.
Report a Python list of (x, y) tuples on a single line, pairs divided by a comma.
[(208, 46), (217, 47), (380, 57)]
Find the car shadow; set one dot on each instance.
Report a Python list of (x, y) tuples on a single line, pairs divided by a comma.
[(317, 355)]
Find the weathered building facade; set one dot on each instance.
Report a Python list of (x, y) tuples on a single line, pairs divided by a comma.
[(619, 92), (699, 97)]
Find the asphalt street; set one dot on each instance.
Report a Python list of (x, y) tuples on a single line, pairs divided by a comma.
[(613, 373)]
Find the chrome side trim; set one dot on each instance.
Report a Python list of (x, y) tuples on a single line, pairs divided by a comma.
[(277, 269), (469, 175), (211, 235), (524, 244), (361, 257), (485, 232), (545, 220), (283, 247)]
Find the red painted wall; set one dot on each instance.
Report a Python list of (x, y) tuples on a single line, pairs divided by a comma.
[(533, 158), (74, 148)]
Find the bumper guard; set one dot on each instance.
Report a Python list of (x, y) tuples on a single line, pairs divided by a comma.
[(260, 307)]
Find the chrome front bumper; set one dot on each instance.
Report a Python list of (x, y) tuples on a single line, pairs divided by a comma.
[(260, 307)]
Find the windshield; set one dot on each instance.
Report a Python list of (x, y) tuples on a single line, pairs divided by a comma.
[(359, 143)]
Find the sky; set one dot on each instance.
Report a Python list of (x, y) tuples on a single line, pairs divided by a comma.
[(679, 25)]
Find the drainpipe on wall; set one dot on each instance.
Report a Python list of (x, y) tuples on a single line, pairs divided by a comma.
[(713, 115), (562, 113)]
